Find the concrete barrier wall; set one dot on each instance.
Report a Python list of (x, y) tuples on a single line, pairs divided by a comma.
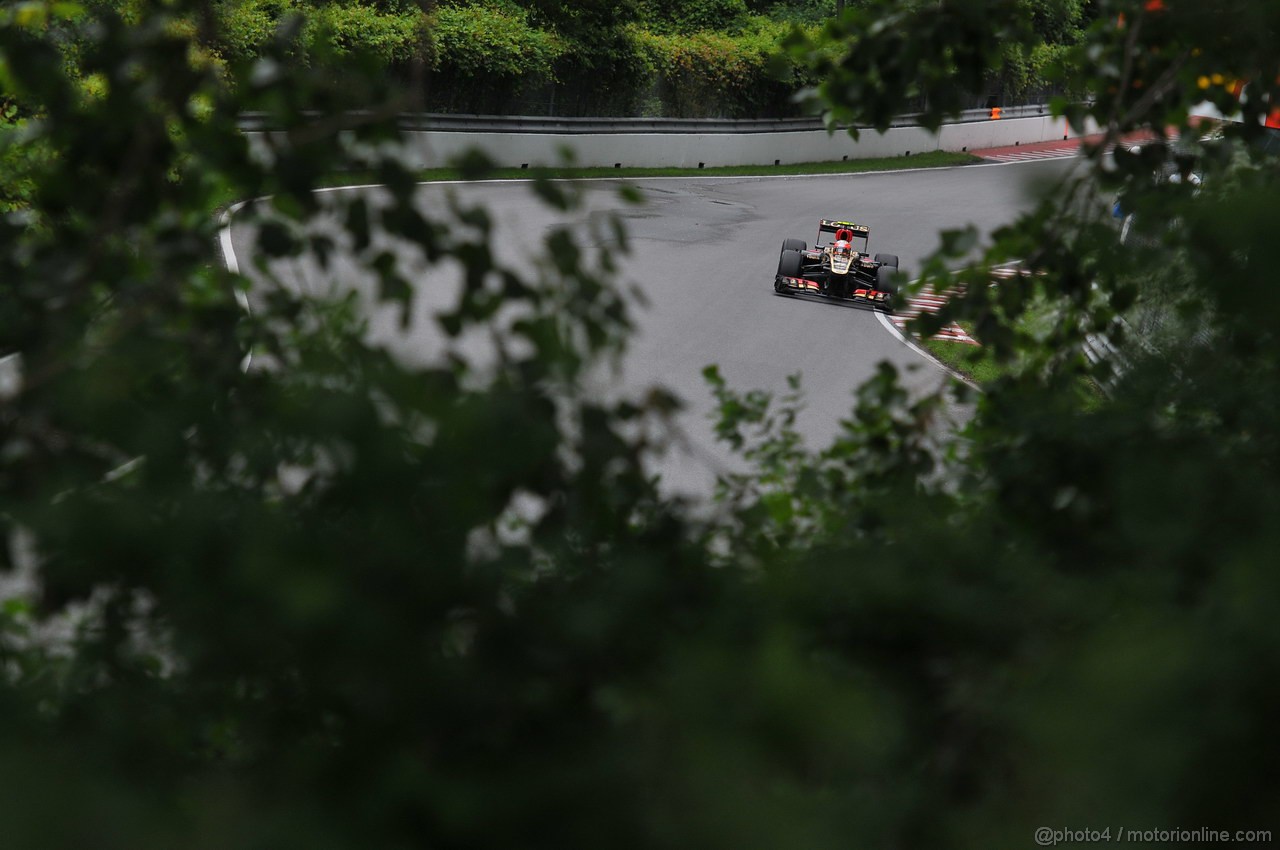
[(432, 148)]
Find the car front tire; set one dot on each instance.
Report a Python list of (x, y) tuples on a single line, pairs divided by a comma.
[(885, 280), (790, 263)]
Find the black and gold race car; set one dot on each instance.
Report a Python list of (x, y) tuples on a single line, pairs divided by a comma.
[(838, 266)]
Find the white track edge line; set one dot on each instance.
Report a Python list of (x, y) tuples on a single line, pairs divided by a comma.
[(888, 325), (982, 164)]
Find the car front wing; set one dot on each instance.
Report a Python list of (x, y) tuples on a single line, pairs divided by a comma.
[(803, 286)]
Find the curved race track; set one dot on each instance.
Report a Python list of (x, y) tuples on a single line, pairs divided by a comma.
[(703, 252)]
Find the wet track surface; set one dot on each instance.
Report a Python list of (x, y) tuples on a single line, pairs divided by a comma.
[(703, 253)]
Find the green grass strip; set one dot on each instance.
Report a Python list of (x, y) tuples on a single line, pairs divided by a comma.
[(932, 159), (979, 365), (973, 361)]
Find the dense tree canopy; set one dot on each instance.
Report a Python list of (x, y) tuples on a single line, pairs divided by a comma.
[(681, 58), (333, 600)]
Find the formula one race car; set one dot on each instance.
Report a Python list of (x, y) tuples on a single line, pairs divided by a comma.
[(837, 266)]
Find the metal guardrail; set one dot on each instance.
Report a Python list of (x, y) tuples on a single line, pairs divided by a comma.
[(453, 123)]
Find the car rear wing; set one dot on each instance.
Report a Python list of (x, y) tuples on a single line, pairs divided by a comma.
[(833, 226), (860, 231)]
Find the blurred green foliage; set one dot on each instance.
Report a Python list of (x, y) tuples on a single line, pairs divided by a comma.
[(338, 600), (20, 161)]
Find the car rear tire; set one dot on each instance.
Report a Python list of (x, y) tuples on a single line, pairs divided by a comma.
[(790, 263), (890, 260)]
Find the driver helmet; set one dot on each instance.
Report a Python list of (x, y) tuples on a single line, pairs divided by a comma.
[(841, 248)]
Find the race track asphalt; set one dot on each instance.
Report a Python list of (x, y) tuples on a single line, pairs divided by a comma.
[(703, 252)]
